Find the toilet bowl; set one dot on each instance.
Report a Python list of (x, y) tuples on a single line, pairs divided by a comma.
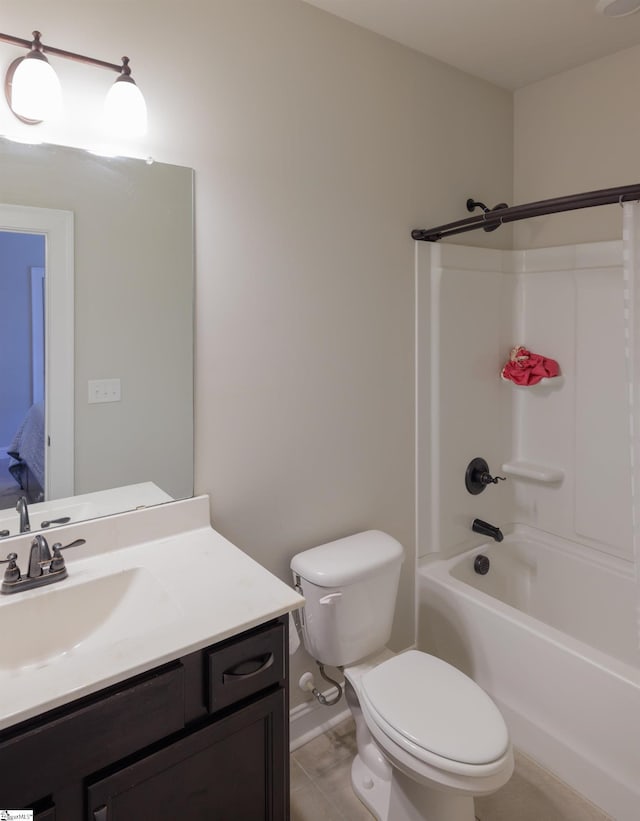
[(435, 727), (428, 737)]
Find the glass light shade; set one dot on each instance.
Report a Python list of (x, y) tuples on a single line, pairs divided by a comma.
[(617, 8), (35, 89), (125, 109)]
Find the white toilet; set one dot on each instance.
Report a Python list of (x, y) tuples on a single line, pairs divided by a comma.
[(428, 737)]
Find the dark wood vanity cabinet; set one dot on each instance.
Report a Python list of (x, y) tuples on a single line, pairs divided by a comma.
[(204, 737)]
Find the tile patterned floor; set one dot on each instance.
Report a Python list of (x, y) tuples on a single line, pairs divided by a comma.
[(321, 788)]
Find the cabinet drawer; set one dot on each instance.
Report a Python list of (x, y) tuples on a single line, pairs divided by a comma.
[(90, 735), (245, 666)]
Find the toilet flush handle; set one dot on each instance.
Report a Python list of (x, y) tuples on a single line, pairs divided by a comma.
[(330, 598)]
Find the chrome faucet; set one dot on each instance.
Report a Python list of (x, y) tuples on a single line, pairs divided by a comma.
[(44, 568), (486, 529), (23, 512), (39, 555)]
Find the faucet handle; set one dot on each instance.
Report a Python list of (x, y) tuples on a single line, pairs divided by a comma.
[(76, 543), (57, 562), (12, 573), (488, 479), (63, 520)]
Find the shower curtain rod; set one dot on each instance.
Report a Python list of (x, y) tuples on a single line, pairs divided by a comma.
[(492, 219)]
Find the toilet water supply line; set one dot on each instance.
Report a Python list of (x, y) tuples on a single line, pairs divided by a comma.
[(307, 683)]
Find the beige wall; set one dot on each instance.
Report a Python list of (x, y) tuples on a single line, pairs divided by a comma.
[(317, 147), (577, 131)]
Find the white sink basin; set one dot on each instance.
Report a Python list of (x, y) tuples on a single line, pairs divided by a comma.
[(44, 625)]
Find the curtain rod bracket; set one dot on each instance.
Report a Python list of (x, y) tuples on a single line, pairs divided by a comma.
[(487, 212)]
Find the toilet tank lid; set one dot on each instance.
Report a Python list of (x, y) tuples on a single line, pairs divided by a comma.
[(348, 560)]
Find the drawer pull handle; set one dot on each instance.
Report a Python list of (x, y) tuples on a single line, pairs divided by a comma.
[(100, 814), (247, 669)]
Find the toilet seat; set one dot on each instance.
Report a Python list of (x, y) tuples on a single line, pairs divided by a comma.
[(434, 711), (416, 761), (442, 773)]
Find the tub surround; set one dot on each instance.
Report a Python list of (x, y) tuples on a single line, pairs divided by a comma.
[(564, 444), (203, 589)]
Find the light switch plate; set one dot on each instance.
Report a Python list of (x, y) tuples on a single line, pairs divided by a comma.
[(104, 390)]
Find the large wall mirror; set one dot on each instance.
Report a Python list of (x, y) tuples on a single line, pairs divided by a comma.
[(96, 337)]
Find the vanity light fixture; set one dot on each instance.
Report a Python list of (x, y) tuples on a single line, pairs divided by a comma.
[(33, 90)]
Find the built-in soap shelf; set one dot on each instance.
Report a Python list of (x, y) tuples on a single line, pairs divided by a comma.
[(534, 471), (545, 382)]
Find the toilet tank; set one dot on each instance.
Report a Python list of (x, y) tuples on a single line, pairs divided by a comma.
[(350, 588)]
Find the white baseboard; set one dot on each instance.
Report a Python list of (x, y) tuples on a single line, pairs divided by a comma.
[(311, 719)]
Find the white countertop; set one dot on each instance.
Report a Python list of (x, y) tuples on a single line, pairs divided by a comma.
[(181, 589)]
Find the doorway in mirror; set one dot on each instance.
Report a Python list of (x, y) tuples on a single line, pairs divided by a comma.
[(36, 354), (22, 356)]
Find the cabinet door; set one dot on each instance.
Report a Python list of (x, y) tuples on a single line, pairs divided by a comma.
[(60, 747), (236, 768)]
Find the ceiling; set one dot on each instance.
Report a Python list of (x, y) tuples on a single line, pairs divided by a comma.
[(510, 43)]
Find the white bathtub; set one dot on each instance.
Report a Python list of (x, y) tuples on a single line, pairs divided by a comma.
[(551, 633)]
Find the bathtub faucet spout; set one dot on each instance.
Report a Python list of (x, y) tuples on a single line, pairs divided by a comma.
[(486, 529)]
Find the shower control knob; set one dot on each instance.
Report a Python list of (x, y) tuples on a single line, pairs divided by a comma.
[(478, 476)]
